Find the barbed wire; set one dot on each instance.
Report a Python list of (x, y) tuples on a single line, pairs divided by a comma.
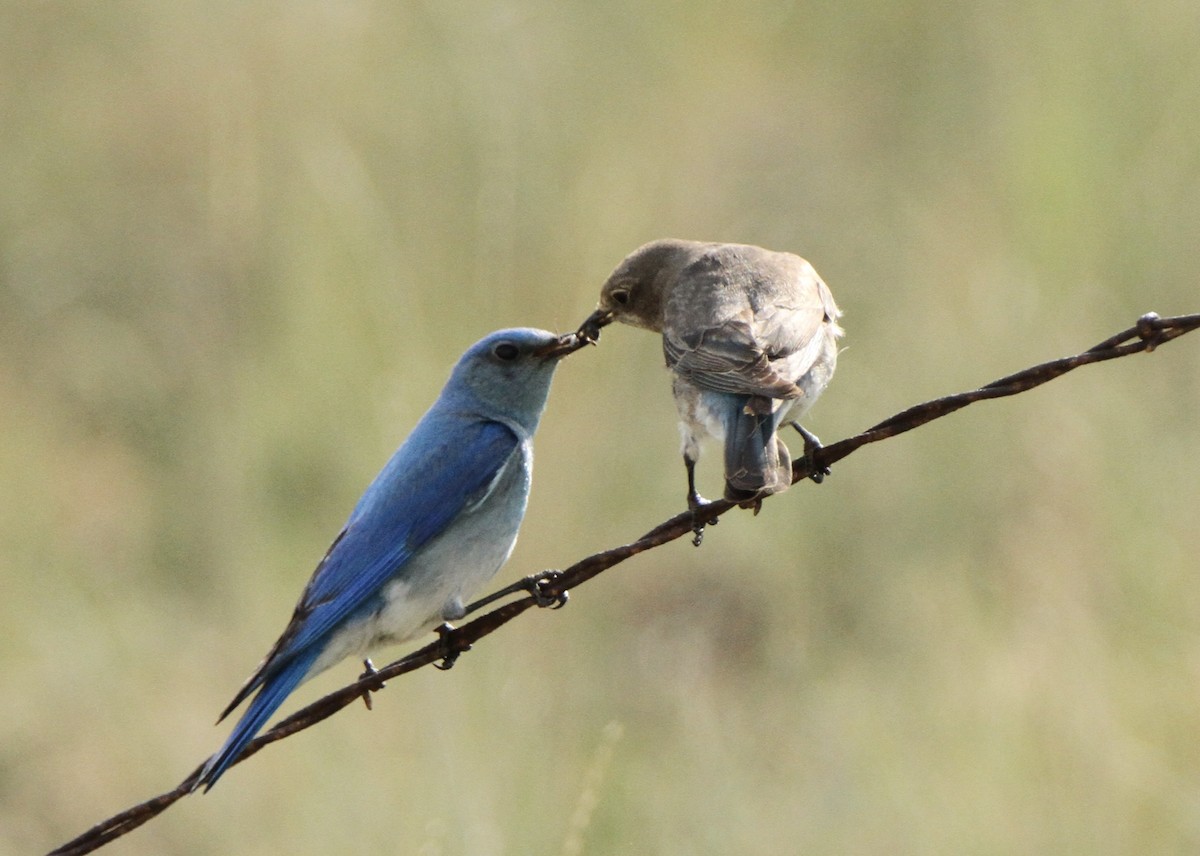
[(551, 587)]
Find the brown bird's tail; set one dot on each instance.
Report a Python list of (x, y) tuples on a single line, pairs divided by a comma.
[(757, 463)]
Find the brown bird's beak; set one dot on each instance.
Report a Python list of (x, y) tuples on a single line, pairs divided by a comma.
[(567, 343), (589, 330)]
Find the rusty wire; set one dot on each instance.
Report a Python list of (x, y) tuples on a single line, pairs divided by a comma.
[(1148, 333)]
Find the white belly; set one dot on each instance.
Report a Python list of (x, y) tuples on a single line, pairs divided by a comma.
[(432, 586)]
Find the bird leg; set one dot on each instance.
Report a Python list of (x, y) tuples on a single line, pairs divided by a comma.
[(443, 631), (812, 444), (369, 671), (535, 585), (696, 504)]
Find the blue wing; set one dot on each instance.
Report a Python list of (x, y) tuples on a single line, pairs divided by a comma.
[(443, 468), (420, 491)]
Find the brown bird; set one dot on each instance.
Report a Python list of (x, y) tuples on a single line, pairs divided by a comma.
[(750, 336)]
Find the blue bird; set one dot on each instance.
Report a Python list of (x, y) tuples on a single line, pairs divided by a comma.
[(436, 524)]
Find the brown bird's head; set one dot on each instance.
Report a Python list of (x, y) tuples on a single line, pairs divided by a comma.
[(635, 292)]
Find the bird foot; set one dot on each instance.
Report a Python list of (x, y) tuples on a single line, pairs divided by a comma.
[(541, 588), (812, 444), (443, 631), (698, 505), (369, 671)]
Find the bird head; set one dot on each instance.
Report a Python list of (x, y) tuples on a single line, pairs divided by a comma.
[(635, 293), (507, 374)]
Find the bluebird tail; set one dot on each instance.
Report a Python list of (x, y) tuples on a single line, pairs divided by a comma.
[(757, 463), (275, 689)]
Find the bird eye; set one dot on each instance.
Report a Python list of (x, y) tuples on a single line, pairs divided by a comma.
[(621, 297), (506, 351)]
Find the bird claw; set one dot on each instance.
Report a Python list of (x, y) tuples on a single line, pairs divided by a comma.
[(697, 505), (369, 671), (443, 631), (812, 444), (537, 585), (534, 585)]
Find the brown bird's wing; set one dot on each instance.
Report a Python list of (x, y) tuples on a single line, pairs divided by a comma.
[(726, 358), (745, 320)]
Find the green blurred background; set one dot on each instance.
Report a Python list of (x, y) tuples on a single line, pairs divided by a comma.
[(241, 245)]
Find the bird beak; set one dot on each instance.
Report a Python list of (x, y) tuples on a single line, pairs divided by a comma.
[(567, 343), (589, 330)]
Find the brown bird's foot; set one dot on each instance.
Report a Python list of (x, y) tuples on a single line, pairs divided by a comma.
[(812, 444), (369, 671), (698, 505), (443, 631)]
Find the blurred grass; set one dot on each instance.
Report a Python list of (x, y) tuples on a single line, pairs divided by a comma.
[(240, 246)]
